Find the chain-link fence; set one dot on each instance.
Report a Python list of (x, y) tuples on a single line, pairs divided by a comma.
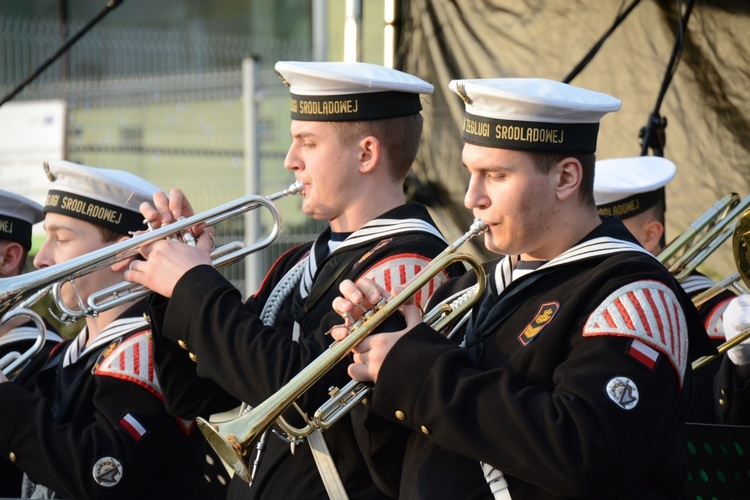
[(167, 106)]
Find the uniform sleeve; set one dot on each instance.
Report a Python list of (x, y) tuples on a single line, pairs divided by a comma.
[(732, 395), (250, 360), (186, 395), (703, 408), (130, 439), (596, 424)]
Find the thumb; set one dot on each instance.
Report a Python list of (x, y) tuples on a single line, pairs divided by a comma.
[(412, 314), (206, 240)]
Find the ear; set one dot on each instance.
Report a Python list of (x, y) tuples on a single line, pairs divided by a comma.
[(121, 266), (569, 173), (11, 254), (652, 233), (369, 154)]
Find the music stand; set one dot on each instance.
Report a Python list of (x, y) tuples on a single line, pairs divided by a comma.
[(718, 458)]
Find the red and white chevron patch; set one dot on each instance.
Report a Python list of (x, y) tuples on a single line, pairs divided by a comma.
[(132, 360), (398, 269), (714, 324), (648, 311)]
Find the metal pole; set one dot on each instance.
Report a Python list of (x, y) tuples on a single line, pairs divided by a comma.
[(353, 31), (320, 30), (254, 261)]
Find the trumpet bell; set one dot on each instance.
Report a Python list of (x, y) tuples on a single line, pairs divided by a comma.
[(741, 247), (231, 450)]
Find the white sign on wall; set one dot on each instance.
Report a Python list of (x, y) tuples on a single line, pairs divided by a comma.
[(30, 133)]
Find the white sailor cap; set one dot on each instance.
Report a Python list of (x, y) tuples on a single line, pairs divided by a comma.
[(339, 91), (17, 215), (105, 197), (532, 114), (629, 186)]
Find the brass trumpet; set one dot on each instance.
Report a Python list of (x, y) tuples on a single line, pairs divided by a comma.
[(741, 253), (233, 439), (16, 289), (686, 252)]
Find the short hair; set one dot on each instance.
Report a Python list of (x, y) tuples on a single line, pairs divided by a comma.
[(399, 137), (109, 235), (545, 161)]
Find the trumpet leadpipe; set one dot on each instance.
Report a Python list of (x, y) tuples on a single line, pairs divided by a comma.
[(234, 439)]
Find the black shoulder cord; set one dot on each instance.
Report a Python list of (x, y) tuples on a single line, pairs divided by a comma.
[(598, 45), (653, 134)]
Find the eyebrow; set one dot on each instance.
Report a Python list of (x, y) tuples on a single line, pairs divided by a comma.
[(303, 135), (56, 227)]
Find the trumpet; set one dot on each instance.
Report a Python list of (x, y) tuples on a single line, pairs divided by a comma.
[(343, 400), (686, 252), (13, 361), (233, 439), (741, 253), (16, 289)]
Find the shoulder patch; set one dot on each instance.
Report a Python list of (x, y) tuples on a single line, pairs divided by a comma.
[(396, 270), (107, 471), (648, 311), (133, 361), (714, 324)]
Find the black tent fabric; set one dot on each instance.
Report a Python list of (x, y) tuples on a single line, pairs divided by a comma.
[(706, 105)]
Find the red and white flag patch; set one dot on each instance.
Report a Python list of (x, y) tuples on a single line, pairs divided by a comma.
[(643, 353), (132, 426), (398, 269), (648, 311)]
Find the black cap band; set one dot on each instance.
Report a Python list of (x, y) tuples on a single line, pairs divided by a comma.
[(632, 205), (529, 136), (354, 107), (14, 229), (97, 212)]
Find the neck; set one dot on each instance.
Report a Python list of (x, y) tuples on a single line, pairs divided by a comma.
[(98, 324), (568, 230), (368, 205)]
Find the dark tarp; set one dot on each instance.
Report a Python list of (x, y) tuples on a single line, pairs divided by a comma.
[(706, 104)]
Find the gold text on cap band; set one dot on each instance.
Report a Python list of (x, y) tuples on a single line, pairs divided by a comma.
[(15, 229), (529, 136), (632, 205), (354, 107), (97, 212)]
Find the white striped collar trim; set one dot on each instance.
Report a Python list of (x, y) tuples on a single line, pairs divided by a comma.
[(114, 330), (381, 228), (588, 249), (372, 231), (23, 333), (696, 283)]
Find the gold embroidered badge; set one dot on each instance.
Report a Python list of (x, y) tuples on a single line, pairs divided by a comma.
[(111, 347), (545, 314)]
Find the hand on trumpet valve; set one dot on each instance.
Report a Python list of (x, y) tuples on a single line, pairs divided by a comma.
[(369, 354), (168, 209), (166, 261), (736, 319)]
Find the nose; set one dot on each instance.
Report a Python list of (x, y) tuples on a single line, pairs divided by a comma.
[(292, 161), (42, 258), (475, 194)]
